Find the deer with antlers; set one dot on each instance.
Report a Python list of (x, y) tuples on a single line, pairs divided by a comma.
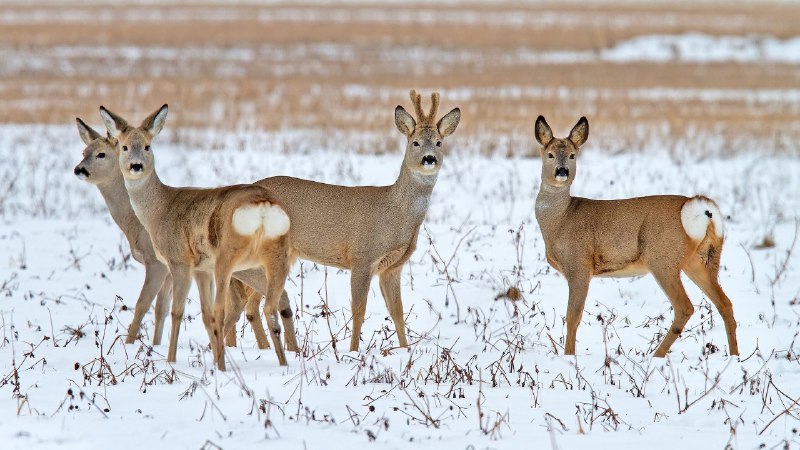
[(100, 167), (208, 233), (370, 230), (663, 235)]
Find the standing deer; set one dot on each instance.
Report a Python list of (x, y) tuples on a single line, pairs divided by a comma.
[(371, 230), (203, 232), (662, 235), (100, 167)]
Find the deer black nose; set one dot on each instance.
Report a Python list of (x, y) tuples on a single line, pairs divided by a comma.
[(80, 170), (562, 172), (135, 167), (428, 160)]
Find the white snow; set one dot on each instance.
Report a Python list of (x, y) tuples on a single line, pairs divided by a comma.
[(701, 48), (68, 382)]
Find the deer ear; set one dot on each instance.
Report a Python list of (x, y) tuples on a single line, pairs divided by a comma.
[(542, 131), (405, 123), (448, 123), (86, 132), (580, 132), (155, 122), (114, 123)]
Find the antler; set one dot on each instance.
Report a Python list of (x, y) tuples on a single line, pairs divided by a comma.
[(422, 118), (434, 106), (416, 99)]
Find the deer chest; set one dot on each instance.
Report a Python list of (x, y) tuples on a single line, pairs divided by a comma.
[(551, 259)]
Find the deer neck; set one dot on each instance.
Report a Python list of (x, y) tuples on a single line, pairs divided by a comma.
[(119, 205), (552, 204), (146, 196), (412, 191)]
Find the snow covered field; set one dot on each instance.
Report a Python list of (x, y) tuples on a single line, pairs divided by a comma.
[(483, 372)]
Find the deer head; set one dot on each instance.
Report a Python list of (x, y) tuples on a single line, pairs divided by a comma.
[(424, 151), (99, 163), (558, 155), (135, 157)]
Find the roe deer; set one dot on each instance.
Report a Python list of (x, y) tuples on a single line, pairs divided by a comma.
[(100, 167), (662, 235), (203, 232), (371, 230)]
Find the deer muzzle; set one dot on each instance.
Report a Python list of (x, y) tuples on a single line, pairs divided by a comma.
[(562, 173), (81, 172), (429, 161)]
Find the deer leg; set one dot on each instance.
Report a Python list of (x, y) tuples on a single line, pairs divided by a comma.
[(359, 290), (253, 315), (287, 317), (163, 301), (255, 279), (578, 289), (205, 287), (154, 274), (238, 298), (704, 277), (670, 282), (276, 265), (181, 281), (222, 274), (390, 288)]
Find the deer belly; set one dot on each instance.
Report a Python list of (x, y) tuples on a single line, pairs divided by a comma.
[(390, 259), (338, 256), (619, 269)]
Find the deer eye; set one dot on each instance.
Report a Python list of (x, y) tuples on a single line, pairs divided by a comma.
[(550, 155), (572, 156), (439, 143), (101, 155), (147, 148), (124, 148), (416, 144)]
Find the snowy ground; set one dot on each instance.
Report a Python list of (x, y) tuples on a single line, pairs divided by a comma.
[(483, 372)]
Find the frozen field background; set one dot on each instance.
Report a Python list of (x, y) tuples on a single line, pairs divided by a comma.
[(69, 382)]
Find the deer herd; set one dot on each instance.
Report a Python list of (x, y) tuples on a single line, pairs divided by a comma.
[(239, 242)]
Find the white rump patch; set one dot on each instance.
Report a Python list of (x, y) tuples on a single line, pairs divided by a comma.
[(695, 218), (276, 221), (248, 219)]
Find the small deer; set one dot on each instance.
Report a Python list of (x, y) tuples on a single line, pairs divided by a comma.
[(203, 232), (662, 235), (370, 230), (100, 167)]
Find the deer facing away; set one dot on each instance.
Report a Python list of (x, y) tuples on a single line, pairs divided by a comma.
[(208, 233), (370, 230), (100, 167), (663, 235)]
